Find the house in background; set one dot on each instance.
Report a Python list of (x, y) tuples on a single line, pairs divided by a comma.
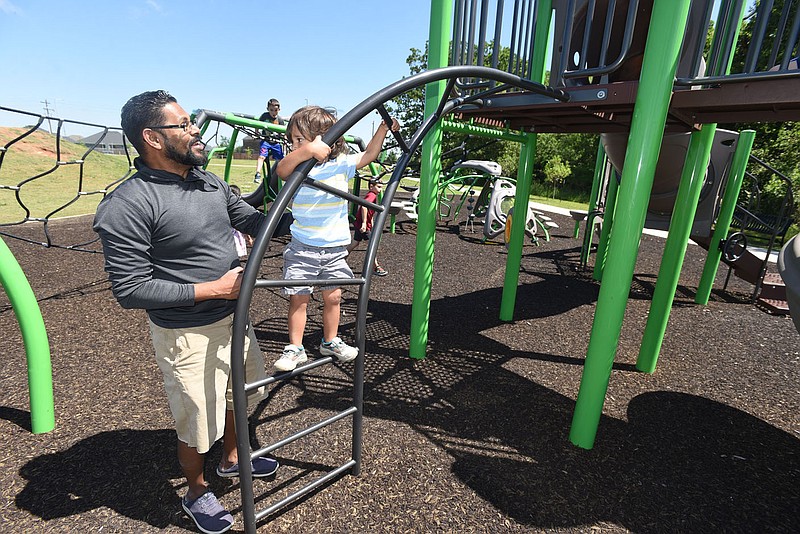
[(111, 143)]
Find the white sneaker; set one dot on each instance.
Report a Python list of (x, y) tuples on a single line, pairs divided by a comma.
[(338, 348), (292, 355)]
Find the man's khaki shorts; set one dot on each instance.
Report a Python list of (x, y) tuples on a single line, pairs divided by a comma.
[(196, 366)]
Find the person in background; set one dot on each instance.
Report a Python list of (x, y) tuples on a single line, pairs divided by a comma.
[(270, 147), (166, 236), (321, 229), (363, 223)]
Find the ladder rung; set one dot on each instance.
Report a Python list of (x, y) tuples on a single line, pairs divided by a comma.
[(252, 386), (306, 489), (262, 282), (294, 437)]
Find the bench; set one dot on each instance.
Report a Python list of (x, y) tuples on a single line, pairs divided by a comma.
[(579, 216)]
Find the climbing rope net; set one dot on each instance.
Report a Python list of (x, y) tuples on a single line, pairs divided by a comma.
[(44, 175)]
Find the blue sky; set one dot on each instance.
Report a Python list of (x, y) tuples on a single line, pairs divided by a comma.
[(86, 58)]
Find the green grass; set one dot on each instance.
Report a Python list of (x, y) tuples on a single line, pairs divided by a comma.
[(242, 171), (566, 204), (35, 156), (58, 185)]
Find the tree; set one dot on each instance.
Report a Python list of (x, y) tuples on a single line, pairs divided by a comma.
[(777, 143), (556, 171), (409, 108), (577, 150)]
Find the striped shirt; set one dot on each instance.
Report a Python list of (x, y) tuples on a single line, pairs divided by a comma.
[(320, 219)]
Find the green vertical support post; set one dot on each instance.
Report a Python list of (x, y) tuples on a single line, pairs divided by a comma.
[(525, 172), (735, 178), (541, 34), (34, 336), (524, 177), (667, 25), (438, 46), (608, 224), (229, 160), (680, 228)]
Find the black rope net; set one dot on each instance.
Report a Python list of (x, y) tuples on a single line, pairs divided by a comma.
[(44, 176)]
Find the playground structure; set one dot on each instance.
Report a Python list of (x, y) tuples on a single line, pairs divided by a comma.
[(14, 282), (636, 68), (603, 97), (478, 187), (749, 217), (521, 102)]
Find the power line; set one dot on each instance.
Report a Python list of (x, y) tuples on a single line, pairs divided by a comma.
[(47, 111)]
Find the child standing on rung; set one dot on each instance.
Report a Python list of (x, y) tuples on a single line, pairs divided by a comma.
[(321, 229)]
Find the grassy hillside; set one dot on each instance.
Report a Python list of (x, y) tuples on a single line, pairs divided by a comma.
[(31, 169)]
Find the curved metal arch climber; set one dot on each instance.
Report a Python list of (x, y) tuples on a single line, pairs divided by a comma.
[(298, 178)]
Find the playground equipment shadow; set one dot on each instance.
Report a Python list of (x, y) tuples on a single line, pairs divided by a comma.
[(474, 438)]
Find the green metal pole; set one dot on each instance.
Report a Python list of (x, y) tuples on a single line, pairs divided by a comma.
[(213, 152), (229, 160), (680, 228), (34, 336), (431, 166), (735, 178), (541, 35), (483, 131), (608, 224), (524, 178), (525, 172), (667, 25)]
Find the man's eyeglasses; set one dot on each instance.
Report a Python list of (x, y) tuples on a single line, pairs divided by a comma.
[(185, 126)]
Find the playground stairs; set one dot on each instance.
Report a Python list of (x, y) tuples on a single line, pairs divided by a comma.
[(769, 290)]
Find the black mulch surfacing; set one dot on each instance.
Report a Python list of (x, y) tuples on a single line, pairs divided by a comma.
[(474, 438)]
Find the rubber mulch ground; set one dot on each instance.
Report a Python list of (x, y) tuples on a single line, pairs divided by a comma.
[(474, 438)]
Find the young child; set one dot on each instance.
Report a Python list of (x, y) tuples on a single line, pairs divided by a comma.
[(321, 229), (363, 223)]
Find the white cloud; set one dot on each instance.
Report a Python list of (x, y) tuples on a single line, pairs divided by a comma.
[(7, 7), (152, 3)]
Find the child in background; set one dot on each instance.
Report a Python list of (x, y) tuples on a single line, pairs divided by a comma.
[(271, 146), (321, 229), (363, 223)]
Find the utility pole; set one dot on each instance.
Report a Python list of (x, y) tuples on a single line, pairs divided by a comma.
[(47, 111)]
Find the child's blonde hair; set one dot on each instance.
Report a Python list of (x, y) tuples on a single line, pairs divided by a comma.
[(311, 121)]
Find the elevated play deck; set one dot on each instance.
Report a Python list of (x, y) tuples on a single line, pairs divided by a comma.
[(598, 49)]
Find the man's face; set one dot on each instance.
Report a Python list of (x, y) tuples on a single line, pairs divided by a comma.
[(182, 145)]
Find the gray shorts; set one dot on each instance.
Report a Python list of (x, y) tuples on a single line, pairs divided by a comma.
[(303, 262)]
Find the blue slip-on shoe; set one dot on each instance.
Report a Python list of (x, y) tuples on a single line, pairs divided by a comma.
[(262, 467), (208, 514)]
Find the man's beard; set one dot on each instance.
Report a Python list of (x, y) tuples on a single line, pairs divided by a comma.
[(185, 158)]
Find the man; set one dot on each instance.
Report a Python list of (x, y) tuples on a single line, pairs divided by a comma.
[(168, 244), (272, 147)]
